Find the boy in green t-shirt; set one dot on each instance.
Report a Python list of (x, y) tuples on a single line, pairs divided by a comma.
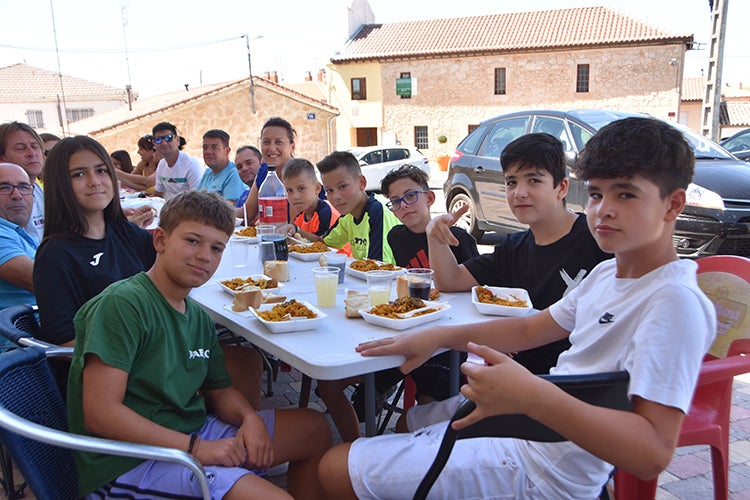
[(146, 363), (364, 221)]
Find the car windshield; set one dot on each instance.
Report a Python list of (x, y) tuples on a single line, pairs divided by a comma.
[(703, 147)]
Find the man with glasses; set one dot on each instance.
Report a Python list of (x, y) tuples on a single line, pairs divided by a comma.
[(17, 247), (21, 145), (176, 171), (221, 175)]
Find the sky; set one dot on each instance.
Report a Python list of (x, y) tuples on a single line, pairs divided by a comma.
[(159, 46)]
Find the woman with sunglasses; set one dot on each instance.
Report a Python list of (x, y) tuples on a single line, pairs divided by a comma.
[(143, 176), (176, 171)]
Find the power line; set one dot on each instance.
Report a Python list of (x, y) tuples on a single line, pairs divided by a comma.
[(120, 51)]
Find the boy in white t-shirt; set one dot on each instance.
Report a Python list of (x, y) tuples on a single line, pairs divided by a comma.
[(641, 311)]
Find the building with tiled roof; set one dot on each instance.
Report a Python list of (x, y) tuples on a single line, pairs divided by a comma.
[(227, 106), (410, 82), (734, 112), (42, 98)]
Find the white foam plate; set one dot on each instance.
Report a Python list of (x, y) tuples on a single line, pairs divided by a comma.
[(363, 274), (249, 239), (256, 277), (403, 324), (498, 310), (294, 325), (308, 257)]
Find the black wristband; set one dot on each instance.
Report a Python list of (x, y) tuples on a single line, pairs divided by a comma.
[(193, 438)]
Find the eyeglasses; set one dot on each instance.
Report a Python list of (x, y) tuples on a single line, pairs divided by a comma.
[(168, 138), (23, 189), (409, 198)]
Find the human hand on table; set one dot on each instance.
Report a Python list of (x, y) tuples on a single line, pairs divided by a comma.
[(141, 216), (439, 228), (501, 387), (418, 347)]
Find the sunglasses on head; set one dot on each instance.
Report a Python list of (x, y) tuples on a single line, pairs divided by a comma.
[(167, 138)]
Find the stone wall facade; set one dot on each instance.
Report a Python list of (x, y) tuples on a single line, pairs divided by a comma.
[(231, 111), (455, 93)]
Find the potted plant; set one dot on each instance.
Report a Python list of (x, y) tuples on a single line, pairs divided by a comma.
[(443, 159)]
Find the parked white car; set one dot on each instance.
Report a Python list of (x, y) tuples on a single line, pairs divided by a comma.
[(376, 161)]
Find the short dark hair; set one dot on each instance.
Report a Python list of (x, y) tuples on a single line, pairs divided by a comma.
[(8, 128), (297, 167), (62, 213), (205, 207), (538, 150), (340, 159), (404, 172), (164, 126), (255, 150), (46, 136), (217, 134), (280, 122), (646, 147)]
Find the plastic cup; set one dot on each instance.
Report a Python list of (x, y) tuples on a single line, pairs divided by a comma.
[(280, 246), (266, 251), (262, 229), (338, 260), (420, 282), (379, 286), (240, 250), (326, 282)]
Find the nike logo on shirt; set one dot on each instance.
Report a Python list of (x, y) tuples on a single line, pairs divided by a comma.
[(606, 318)]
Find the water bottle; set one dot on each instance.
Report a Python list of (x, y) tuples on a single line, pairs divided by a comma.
[(272, 205)]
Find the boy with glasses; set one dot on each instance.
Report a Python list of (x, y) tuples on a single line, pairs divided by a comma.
[(17, 247), (176, 171)]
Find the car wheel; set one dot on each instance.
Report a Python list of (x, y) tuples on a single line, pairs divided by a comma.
[(468, 221)]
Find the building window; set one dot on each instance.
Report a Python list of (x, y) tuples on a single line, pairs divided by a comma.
[(499, 81), (75, 114), (405, 75), (420, 137), (35, 118), (582, 78), (359, 89)]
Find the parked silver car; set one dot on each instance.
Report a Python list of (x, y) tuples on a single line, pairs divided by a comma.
[(376, 161)]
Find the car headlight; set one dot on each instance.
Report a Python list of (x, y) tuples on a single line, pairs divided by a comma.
[(698, 196)]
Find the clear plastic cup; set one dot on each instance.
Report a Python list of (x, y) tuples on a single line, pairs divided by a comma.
[(240, 249), (262, 229), (420, 282), (326, 283), (266, 251), (379, 286), (337, 260)]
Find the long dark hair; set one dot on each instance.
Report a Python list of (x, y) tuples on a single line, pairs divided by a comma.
[(62, 214)]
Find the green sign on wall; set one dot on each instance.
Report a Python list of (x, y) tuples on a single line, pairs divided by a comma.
[(403, 86)]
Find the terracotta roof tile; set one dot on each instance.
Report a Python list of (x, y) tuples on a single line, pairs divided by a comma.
[(585, 26), (693, 89), (21, 82), (738, 113)]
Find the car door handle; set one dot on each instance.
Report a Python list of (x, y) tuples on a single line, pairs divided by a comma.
[(480, 170)]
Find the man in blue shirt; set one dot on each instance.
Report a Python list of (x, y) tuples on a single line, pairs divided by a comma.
[(221, 175), (17, 247)]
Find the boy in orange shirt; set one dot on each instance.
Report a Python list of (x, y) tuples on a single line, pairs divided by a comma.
[(311, 215)]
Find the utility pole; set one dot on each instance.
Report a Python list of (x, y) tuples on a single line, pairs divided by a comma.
[(250, 68), (712, 99)]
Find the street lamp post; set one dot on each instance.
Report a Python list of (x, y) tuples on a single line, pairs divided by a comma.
[(250, 69)]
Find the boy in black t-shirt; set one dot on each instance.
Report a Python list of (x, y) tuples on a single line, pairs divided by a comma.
[(549, 259)]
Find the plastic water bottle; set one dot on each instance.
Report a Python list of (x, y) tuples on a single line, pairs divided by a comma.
[(272, 205)]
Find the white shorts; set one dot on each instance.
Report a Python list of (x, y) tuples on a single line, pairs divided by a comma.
[(421, 416), (165, 480), (391, 466)]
